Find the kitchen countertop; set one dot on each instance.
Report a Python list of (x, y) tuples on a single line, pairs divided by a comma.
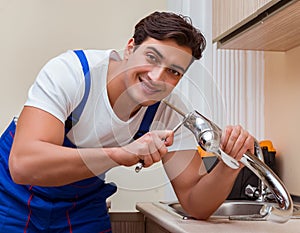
[(174, 223)]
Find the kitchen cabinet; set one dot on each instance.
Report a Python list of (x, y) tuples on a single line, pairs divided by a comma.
[(127, 222), (273, 26), (229, 13), (153, 227)]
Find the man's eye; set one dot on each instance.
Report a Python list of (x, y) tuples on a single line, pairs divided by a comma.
[(151, 58), (174, 72)]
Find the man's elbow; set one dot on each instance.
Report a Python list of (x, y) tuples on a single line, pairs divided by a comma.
[(202, 216), (18, 172)]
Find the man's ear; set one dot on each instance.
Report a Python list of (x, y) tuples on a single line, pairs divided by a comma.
[(129, 48)]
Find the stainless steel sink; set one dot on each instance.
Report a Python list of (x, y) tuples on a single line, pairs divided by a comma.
[(236, 210), (239, 208)]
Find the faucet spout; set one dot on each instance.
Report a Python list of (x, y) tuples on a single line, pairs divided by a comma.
[(261, 185), (285, 204)]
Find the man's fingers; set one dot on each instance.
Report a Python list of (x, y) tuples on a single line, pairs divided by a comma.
[(236, 141)]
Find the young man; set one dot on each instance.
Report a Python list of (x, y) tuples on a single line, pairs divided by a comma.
[(52, 170)]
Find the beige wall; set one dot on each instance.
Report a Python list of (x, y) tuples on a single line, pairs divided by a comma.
[(282, 113), (33, 31)]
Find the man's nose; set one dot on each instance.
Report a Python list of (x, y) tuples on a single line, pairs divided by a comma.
[(157, 73)]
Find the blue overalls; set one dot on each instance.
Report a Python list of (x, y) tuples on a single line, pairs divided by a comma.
[(76, 208), (79, 207)]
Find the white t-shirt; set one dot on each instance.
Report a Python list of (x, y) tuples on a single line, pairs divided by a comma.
[(59, 88)]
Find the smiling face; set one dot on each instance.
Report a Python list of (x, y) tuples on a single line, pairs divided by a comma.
[(153, 69)]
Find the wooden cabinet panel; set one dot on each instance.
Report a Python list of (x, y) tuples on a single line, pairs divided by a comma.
[(229, 13), (123, 222), (273, 27), (153, 227)]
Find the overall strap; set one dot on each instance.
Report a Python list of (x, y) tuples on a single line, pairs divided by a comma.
[(75, 115), (147, 120)]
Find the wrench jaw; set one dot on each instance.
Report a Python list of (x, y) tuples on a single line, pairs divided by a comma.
[(139, 166)]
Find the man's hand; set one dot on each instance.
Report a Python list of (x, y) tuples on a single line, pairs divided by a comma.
[(235, 141), (149, 148)]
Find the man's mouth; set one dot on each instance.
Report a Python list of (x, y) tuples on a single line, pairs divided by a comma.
[(149, 87)]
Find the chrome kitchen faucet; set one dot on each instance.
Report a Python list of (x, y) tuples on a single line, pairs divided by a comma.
[(208, 136)]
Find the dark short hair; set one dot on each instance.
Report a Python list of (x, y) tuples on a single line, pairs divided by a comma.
[(168, 25)]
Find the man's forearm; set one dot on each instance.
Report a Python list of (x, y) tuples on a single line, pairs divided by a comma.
[(46, 164), (211, 191)]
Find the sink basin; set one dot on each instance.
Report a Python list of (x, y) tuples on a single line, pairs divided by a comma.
[(238, 210)]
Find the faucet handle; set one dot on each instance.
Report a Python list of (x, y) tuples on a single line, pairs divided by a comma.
[(228, 160)]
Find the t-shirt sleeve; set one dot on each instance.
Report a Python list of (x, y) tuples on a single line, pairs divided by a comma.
[(58, 87)]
